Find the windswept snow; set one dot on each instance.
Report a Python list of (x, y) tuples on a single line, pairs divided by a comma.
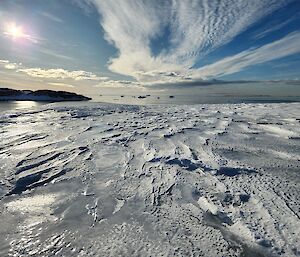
[(116, 180)]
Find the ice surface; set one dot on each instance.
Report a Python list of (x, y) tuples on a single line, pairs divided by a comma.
[(115, 180)]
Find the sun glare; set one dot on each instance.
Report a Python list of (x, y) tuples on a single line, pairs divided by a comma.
[(14, 31)]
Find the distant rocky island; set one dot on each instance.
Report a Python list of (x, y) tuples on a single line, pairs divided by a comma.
[(7, 94)]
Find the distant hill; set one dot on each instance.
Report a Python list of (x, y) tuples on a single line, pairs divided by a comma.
[(7, 94)]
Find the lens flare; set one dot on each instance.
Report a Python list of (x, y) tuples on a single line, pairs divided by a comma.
[(14, 31)]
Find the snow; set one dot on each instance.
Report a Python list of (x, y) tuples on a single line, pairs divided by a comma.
[(115, 180)]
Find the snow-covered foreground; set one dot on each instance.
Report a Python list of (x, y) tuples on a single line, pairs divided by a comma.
[(109, 180)]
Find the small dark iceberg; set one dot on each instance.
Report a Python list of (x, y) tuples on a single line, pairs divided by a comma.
[(7, 94)]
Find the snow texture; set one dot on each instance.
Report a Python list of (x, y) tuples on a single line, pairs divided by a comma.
[(115, 180)]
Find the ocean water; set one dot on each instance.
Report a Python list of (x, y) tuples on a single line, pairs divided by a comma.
[(6, 106), (271, 92)]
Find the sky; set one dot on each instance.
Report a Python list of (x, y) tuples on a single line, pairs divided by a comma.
[(88, 45)]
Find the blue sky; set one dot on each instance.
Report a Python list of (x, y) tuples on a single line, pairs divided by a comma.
[(83, 45)]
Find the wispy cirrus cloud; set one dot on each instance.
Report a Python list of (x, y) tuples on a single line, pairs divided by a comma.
[(85, 5), (55, 54), (284, 47), (51, 17), (193, 29), (274, 27)]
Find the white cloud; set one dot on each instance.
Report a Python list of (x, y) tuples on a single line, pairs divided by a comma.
[(273, 27), (284, 47), (196, 28), (51, 17), (119, 84), (55, 54), (61, 74), (52, 74), (9, 65), (281, 48), (60, 84)]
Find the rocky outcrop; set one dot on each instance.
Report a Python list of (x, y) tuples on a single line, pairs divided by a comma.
[(7, 94)]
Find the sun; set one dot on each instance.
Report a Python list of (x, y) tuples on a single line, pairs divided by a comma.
[(14, 31)]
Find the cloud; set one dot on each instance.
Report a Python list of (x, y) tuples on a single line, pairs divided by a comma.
[(281, 48), (51, 17), (85, 5), (9, 65), (52, 74), (193, 29), (60, 84), (54, 54), (61, 74), (119, 84), (203, 76), (274, 27)]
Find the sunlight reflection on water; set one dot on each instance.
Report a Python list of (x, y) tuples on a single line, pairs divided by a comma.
[(14, 105)]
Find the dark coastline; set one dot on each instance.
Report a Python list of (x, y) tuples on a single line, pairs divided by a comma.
[(7, 94)]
